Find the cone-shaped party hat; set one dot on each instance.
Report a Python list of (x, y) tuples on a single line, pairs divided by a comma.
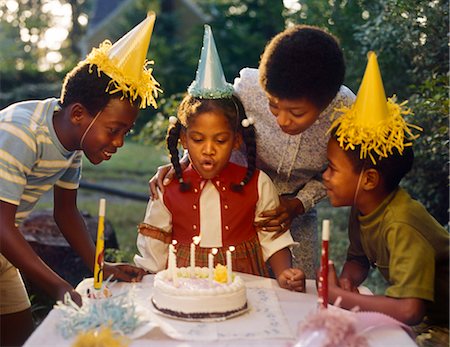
[(372, 122), (125, 62), (210, 82)]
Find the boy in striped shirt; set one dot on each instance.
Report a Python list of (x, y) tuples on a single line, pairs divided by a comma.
[(41, 144)]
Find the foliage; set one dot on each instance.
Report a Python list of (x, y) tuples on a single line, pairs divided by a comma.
[(241, 30), (154, 131), (116, 255), (409, 37), (428, 180), (25, 71)]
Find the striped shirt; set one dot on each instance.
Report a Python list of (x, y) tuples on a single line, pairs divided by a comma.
[(32, 159)]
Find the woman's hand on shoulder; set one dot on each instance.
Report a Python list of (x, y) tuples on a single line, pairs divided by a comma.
[(292, 279), (279, 220), (162, 178)]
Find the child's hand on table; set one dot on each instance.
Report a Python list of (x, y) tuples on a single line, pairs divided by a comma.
[(341, 282), (292, 279), (62, 288), (123, 272)]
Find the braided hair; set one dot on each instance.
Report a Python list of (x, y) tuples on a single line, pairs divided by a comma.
[(233, 110)]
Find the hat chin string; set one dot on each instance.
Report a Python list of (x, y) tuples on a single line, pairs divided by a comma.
[(88, 128), (358, 186)]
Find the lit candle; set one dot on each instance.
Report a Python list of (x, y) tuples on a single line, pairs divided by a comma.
[(229, 264), (211, 264), (323, 277), (195, 242), (100, 246)]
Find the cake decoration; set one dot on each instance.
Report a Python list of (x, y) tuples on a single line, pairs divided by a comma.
[(199, 293), (103, 337), (102, 293), (198, 298), (221, 274), (118, 312), (338, 327)]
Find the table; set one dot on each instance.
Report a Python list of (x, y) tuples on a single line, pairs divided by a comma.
[(295, 307)]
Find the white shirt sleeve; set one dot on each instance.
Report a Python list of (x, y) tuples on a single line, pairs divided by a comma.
[(153, 252), (268, 200)]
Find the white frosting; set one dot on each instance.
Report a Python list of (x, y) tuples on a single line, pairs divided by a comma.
[(198, 294)]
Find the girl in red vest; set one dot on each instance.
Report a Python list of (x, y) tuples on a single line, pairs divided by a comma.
[(214, 198)]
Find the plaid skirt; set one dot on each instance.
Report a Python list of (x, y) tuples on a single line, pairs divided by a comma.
[(247, 257)]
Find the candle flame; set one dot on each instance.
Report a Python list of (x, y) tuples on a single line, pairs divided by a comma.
[(214, 251), (174, 242), (231, 248), (196, 240)]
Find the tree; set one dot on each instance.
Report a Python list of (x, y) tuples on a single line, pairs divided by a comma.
[(241, 30), (26, 68)]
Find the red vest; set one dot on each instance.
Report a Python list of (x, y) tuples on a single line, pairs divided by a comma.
[(237, 208)]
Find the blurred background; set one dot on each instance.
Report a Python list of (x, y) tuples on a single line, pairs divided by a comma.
[(41, 40)]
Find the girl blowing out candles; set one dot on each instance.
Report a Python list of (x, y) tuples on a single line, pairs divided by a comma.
[(212, 197)]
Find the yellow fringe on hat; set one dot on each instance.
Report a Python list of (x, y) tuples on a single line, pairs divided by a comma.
[(378, 141), (105, 337), (146, 87)]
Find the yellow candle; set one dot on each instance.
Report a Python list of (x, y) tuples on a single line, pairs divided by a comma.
[(100, 246)]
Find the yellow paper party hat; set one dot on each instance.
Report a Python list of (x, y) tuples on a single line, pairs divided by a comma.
[(372, 122), (125, 62)]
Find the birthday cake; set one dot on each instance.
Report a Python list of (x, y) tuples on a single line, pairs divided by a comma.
[(195, 296)]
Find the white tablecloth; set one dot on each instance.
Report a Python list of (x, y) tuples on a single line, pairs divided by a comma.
[(288, 308)]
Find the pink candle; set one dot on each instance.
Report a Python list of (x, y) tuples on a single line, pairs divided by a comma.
[(323, 277)]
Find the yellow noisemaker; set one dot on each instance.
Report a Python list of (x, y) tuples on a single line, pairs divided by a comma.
[(372, 122), (126, 64)]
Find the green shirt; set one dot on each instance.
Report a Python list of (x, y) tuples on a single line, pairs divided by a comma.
[(409, 247)]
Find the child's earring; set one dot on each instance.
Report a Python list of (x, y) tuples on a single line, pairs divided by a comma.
[(173, 120)]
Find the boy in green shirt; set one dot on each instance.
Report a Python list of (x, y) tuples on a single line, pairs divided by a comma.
[(368, 155)]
